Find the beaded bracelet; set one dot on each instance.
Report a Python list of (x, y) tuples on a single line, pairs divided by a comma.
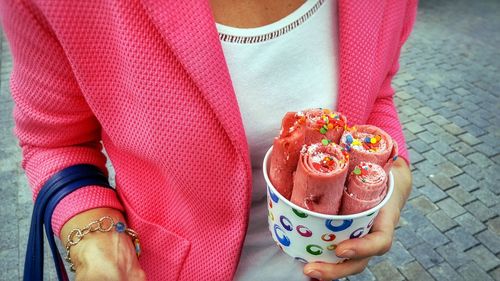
[(104, 224)]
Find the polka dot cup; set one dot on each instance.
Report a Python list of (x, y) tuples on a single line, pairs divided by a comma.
[(309, 236)]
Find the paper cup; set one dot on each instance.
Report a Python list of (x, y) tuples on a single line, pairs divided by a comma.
[(309, 236)]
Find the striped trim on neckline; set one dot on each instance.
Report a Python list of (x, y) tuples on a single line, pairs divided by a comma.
[(271, 35)]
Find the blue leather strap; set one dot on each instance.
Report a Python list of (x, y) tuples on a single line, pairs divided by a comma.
[(55, 189)]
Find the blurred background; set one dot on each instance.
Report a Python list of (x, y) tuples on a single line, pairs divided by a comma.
[(448, 95)]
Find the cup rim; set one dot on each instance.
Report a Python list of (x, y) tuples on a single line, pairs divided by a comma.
[(320, 215)]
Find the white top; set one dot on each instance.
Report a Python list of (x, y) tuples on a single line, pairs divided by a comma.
[(289, 65)]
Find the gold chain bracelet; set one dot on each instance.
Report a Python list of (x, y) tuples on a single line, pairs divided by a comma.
[(104, 224)]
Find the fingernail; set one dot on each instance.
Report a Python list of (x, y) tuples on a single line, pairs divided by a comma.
[(314, 274), (347, 254)]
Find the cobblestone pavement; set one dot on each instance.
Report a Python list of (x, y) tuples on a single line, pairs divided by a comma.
[(448, 93)]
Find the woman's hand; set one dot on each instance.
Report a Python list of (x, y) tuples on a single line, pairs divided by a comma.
[(377, 242), (103, 255)]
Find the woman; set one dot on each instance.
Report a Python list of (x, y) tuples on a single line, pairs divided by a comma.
[(166, 90)]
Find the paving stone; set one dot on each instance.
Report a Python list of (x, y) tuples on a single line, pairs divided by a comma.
[(408, 110), (462, 239), (366, 275), (419, 146), (457, 158), (432, 235), (490, 240), (475, 130), (479, 159), (455, 257), (466, 182), (426, 256), (442, 147), (461, 91), (470, 223), (407, 237), (479, 210), (472, 272), (450, 207), (434, 157), (460, 195), (487, 150), (442, 181), (496, 159), (414, 127), (440, 120), (398, 255), (495, 274), (432, 192), (444, 272), (449, 169), (441, 220), (463, 148), (423, 204), (447, 138), (409, 136), (420, 119), (415, 272), (486, 196), (376, 260), (426, 111), (494, 225), (454, 129), (459, 121), (414, 218), (483, 257), (9, 259), (426, 167), (433, 128), (415, 156), (386, 271), (427, 137)]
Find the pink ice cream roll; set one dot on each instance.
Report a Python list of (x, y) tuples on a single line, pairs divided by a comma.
[(320, 177), (369, 144), (366, 187), (323, 125), (285, 154)]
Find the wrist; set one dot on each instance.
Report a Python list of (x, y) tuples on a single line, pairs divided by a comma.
[(83, 218), (93, 232)]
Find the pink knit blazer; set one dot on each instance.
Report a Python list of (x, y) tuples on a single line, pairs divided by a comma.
[(148, 78)]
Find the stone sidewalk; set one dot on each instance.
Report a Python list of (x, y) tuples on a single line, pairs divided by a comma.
[(448, 95)]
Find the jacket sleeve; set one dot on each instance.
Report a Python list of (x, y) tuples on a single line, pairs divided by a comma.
[(384, 114), (55, 126)]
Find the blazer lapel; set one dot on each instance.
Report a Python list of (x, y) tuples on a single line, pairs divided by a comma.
[(189, 29), (359, 26)]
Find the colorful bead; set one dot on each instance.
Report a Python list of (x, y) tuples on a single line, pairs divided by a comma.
[(138, 249), (323, 130), (120, 227), (325, 141)]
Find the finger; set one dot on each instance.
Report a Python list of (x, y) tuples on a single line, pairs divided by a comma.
[(329, 271), (376, 243)]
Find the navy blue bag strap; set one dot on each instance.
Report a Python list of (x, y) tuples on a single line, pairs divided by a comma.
[(56, 188)]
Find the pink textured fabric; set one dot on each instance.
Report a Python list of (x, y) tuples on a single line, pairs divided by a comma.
[(149, 79)]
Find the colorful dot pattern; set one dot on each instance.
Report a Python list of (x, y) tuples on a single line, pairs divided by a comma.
[(308, 238)]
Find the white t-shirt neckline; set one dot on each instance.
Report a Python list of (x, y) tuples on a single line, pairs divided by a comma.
[(272, 30)]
